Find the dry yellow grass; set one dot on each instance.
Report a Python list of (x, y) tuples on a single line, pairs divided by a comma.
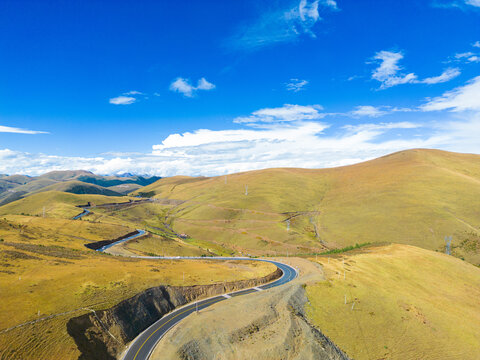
[(56, 204), (413, 197), (46, 270), (408, 303)]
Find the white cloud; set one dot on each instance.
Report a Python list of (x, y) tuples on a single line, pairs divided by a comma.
[(447, 75), (133, 92), (203, 84), (388, 71), (368, 110), (462, 98), (331, 3), (382, 126), (296, 85), (476, 44), (286, 113), (122, 100), (282, 25), (473, 2), (184, 87), (464, 55), (467, 57), (459, 4), (283, 144), (15, 130), (374, 111)]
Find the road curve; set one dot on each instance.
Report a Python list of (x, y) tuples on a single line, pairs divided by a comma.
[(142, 346)]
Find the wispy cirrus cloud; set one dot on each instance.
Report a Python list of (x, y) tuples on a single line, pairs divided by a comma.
[(459, 4), (286, 113), (282, 25), (446, 75), (15, 130), (128, 98), (183, 86), (468, 56), (368, 110), (462, 98), (296, 85), (389, 72), (133, 92), (375, 111)]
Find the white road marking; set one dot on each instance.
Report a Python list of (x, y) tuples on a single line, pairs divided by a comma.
[(258, 289), (226, 296)]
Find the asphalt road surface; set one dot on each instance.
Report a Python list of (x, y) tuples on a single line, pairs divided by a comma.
[(143, 345)]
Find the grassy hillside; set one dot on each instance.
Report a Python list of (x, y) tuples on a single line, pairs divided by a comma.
[(64, 175), (16, 187), (402, 302), (124, 188), (78, 187), (47, 274), (56, 203), (413, 197)]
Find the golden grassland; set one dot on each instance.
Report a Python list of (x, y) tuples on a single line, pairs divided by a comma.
[(57, 204), (155, 245), (46, 270), (413, 197), (403, 302)]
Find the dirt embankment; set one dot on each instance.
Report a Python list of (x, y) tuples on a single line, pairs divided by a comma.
[(280, 331), (104, 334), (262, 326)]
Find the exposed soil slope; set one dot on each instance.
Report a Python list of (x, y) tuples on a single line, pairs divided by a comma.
[(104, 334), (264, 325)]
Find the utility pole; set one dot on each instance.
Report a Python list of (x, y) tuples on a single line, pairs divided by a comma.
[(246, 189), (288, 224), (448, 242)]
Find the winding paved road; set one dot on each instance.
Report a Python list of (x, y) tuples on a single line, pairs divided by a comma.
[(143, 345)]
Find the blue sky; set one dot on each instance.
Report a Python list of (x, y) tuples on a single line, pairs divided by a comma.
[(214, 87)]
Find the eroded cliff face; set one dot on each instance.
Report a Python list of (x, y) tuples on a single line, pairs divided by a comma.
[(104, 334)]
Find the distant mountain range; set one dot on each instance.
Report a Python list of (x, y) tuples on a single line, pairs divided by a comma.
[(14, 187)]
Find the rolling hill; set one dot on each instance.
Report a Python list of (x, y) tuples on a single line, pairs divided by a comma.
[(57, 204), (15, 187), (414, 197), (78, 187)]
